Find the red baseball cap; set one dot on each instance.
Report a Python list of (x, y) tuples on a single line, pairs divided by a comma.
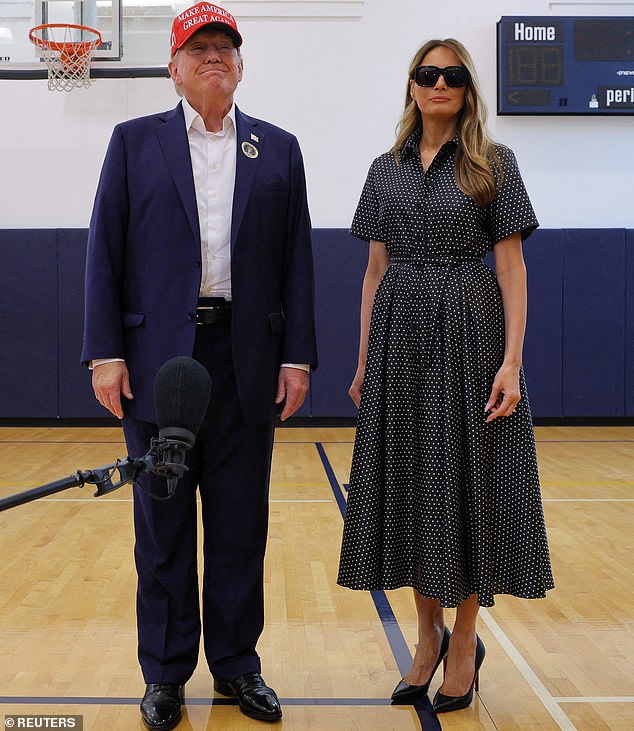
[(198, 16)]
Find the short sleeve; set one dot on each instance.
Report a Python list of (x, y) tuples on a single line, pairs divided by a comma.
[(366, 222), (511, 209)]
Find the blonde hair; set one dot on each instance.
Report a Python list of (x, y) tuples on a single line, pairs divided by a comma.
[(476, 161)]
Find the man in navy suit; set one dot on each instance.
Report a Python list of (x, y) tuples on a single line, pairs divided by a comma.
[(200, 245)]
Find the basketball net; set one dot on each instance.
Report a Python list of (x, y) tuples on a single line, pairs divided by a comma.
[(67, 51)]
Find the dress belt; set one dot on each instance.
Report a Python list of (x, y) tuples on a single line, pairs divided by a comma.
[(428, 325), (446, 260)]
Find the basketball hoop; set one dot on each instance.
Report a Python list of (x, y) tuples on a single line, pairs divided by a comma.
[(67, 50)]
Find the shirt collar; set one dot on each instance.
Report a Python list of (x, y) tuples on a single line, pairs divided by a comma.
[(193, 120), (411, 144)]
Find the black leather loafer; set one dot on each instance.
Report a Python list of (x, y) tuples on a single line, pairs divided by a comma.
[(161, 706), (255, 698)]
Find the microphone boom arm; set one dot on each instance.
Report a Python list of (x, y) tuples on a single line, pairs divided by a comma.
[(160, 459)]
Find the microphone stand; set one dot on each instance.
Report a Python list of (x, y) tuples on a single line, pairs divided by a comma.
[(166, 457)]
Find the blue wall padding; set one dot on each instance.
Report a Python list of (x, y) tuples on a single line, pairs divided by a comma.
[(578, 355), (28, 323), (340, 262), (594, 322), (629, 323), (75, 389), (543, 253)]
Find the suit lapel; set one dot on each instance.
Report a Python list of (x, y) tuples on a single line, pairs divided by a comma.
[(173, 140), (249, 142)]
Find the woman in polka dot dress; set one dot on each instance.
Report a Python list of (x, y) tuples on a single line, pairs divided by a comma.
[(444, 490)]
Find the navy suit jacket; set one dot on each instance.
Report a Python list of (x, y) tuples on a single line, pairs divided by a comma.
[(143, 266)]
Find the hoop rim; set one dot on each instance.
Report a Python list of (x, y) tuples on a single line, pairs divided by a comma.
[(62, 45)]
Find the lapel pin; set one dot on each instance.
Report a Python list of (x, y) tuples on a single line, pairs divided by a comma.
[(255, 138), (250, 150)]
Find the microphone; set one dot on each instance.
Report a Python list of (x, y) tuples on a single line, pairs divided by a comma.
[(182, 389)]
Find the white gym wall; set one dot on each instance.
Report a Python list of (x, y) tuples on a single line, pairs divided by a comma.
[(338, 84)]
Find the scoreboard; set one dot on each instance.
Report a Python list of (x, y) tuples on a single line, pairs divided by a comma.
[(565, 65)]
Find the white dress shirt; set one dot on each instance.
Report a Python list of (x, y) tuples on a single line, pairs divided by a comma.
[(213, 156)]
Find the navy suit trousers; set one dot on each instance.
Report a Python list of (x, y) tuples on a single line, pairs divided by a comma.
[(230, 465)]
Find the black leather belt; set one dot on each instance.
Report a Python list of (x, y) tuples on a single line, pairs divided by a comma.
[(213, 311)]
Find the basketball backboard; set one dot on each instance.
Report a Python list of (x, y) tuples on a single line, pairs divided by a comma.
[(135, 33)]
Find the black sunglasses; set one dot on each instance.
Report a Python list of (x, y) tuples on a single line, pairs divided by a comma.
[(429, 75)]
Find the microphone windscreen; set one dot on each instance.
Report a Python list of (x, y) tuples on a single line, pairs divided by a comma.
[(182, 388)]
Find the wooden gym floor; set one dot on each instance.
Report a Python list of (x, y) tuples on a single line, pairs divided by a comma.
[(67, 585)]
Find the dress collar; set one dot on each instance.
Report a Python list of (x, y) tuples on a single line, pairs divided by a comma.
[(413, 141)]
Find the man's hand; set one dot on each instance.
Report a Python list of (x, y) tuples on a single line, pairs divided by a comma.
[(292, 385), (109, 381)]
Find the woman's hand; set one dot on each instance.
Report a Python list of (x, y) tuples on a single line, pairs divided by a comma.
[(357, 386), (505, 393)]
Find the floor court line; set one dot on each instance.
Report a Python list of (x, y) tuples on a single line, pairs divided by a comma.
[(584, 441), (110, 701), (276, 500), (585, 483), (121, 442), (587, 500), (129, 500), (595, 699), (529, 675), (298, 500)]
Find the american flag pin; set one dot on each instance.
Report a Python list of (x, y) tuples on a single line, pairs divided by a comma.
[(255, 138)]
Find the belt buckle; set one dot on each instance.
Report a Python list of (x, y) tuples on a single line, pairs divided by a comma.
[(210, 314)]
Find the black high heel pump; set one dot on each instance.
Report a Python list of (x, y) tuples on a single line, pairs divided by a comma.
[(444, 703), (404, 692)]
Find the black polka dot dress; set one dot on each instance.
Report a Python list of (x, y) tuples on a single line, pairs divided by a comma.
[(440, 500)]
